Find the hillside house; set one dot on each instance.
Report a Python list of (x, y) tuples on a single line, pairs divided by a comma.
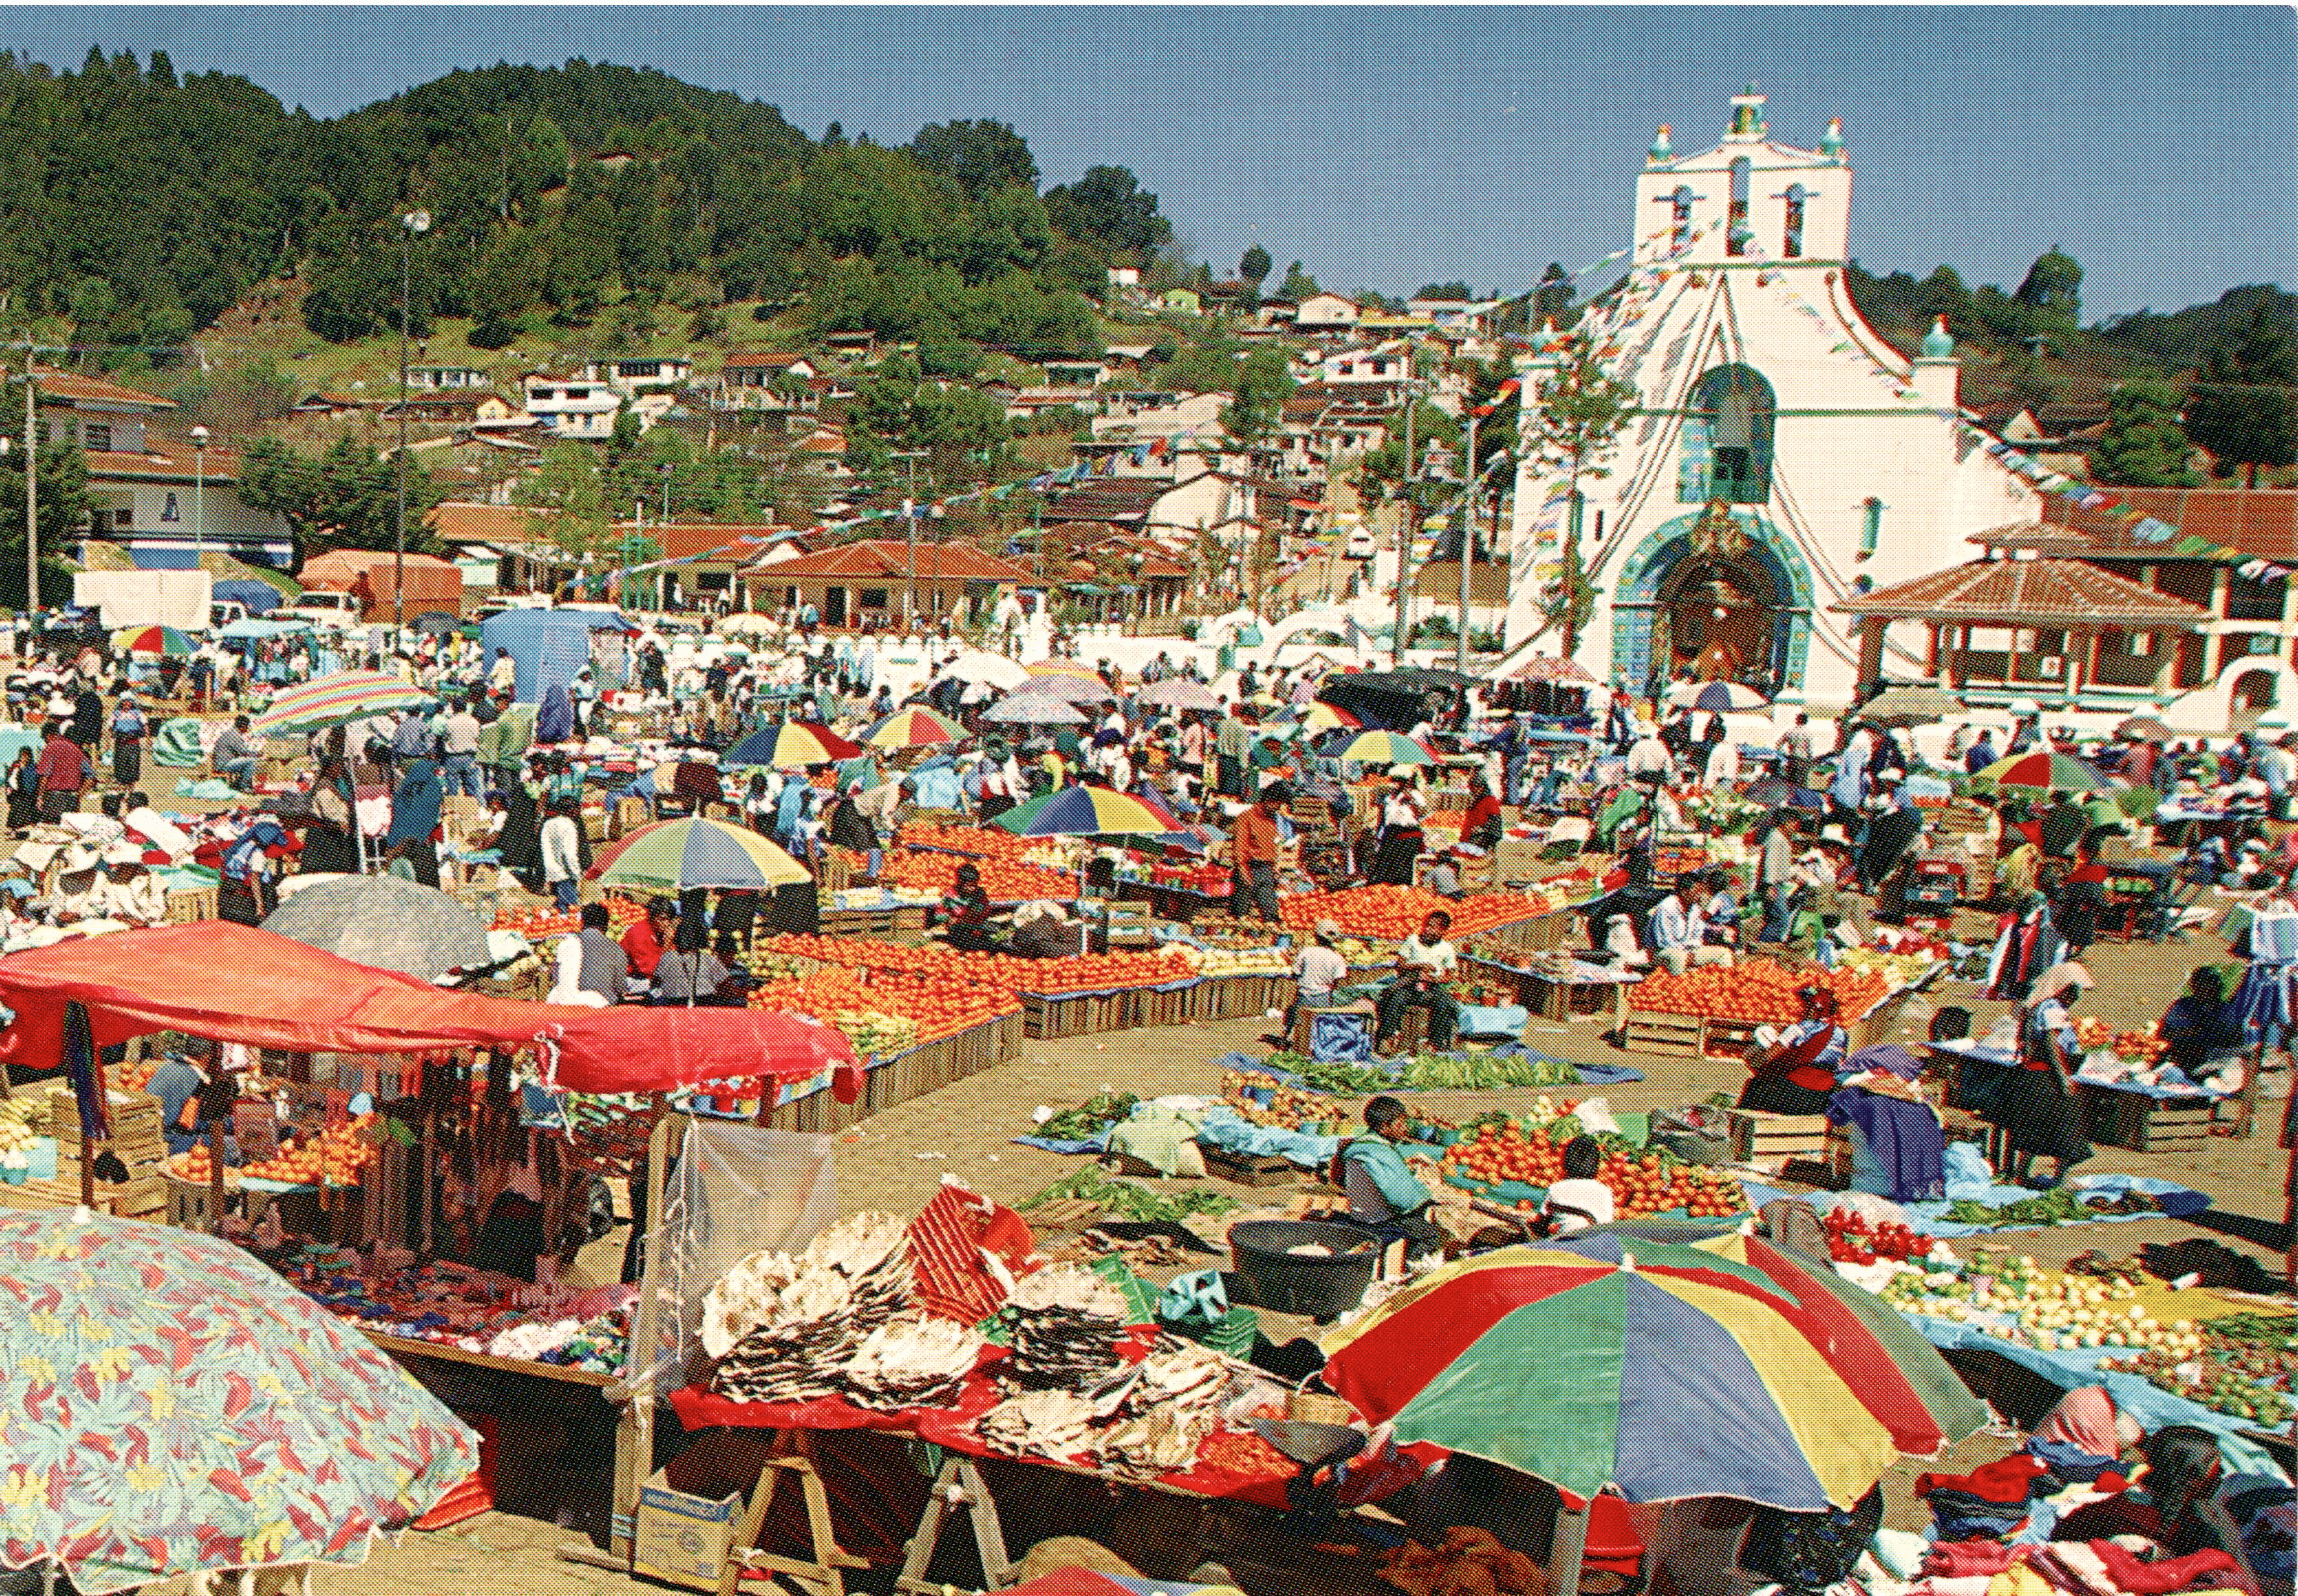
[(579, 408), (428, 378), (1326, 314), (631, 376), (875, 580), (766, 380), (1181, 301)]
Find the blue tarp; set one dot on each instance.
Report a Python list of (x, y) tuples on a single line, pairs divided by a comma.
[(548, 646), (253, 628), (2179, 1202), (257, 598)]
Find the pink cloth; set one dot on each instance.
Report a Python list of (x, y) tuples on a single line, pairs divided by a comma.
[(1951, 1559), (2084, 1417), (2171, 1574)]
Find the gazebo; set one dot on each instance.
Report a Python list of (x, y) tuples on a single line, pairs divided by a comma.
[(2053, 624)]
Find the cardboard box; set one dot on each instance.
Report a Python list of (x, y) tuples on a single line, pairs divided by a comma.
[(684, 1539)]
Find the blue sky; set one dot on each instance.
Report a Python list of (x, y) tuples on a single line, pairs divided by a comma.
[(1386, 147)]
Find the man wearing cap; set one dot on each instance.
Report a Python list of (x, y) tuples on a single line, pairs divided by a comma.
[(1255, 841)]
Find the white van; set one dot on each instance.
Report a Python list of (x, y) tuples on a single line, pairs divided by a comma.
[(321, 607)]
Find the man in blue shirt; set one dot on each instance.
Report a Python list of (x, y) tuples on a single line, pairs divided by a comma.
[(1982, 754), (1381, 1190)]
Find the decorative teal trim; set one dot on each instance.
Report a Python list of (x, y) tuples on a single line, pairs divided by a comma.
[(1636, 595)]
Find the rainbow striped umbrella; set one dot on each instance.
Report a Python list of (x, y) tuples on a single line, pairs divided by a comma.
[(1382, 748), (153, 640), (1087, 811), (1666, 1383), (1316, 715), (792, 743), (2045, 771), (335, 699), (915, 727), (671, 856)]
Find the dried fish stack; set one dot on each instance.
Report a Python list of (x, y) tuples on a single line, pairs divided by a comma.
[(1174, 1400), (1066, 1323), (913, 1363), (788, 1364), (1047, 1424), (872, 1251)]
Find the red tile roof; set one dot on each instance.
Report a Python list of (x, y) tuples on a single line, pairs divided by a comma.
[(2024, 592), (882, 558), (165, 460), (459, 522), (70, 384)]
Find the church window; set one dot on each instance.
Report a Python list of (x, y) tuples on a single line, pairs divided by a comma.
[(1735, 240), (1680, 221), (1726, 450), (1871, 527), (1792, 243)]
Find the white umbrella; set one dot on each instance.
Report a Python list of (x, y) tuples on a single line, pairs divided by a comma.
[(1034, 709), (1179, 692), (978, 665), (1072, 690)]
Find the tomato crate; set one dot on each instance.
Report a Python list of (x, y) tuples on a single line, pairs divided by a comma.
[(1666, 1036), (1727, 1038), (1770, 1140), (1163, 1005), (1077, 1014)]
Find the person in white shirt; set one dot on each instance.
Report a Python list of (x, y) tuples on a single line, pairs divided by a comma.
[(1319, 967), (562, 860), (1426, 960), (1578, 1201), (1673, 931), (1648, 756)]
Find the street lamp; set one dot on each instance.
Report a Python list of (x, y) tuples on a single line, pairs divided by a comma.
[(411, 224), (910, 459), (199, 494)]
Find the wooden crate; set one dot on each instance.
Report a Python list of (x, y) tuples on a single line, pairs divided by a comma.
[(1663, 1036), (1250, 1169), (872, 924), (1727, 1039), (1162, 1005), (135, 1119), (49, 1195), (191, 1205), (1080, 1015), (1517, 861), (186, 905), (1770, 1141), (2144, 1124)]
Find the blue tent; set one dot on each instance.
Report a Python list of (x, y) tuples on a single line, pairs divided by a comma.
[(548, 646), (257, 598)]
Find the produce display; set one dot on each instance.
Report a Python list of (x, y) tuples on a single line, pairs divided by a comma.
[(1853, 1238), (1396, 912), (2245, 1382), (944, 967), (987, 842), (2065, 1205), (881, 1012), (1089, 1118), (2142, 1047), (1759, 991), (1900, 958), (1004, 879), (1211, 881), (331, 1157), (1212, 961), (1643, 1180), (22, 1118), (1289, 1108), (538, 925), (1124, 1200)]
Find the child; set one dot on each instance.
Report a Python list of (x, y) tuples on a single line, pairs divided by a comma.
[(1578, 1201)]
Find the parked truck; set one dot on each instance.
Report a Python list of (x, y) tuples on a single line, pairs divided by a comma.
[(178, 599)]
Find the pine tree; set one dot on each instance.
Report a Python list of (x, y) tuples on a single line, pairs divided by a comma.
[(2244, 404), (2144, 445)]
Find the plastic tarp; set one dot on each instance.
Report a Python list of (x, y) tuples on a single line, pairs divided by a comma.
[(548, 646), (237, 984), (256, 598)]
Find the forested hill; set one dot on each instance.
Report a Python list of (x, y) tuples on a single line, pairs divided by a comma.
[(138, 206)]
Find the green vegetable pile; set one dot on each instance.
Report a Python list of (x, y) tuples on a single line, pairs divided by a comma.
[(1126, 1201), (1485, 1072), (2060, 1207), (1090, 1116), (1327, 1075)]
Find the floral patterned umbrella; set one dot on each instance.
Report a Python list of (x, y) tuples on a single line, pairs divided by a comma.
[(167, 1404)]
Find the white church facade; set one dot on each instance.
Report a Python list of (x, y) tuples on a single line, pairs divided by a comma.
[(1779, 456)]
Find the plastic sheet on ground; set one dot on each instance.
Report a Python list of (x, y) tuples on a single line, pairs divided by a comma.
[(1228, 1130), (2178, 1202)]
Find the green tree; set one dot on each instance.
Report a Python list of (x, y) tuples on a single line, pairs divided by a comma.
[(1258, 389), (346, 497), (1254, 267), (1297, 284), (568, 484), (981, 157), (2144, 446), (1569, 429), (2243, 407), (1107, 206), (2053, 286), (1552, 301), (63, 512)]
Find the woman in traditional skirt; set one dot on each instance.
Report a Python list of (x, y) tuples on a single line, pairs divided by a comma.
[(2039, 1106)]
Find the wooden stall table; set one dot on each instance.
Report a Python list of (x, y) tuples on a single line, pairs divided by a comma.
[(2114, 1114)]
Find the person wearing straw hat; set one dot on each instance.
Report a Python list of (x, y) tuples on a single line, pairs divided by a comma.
[(2039, 1107)]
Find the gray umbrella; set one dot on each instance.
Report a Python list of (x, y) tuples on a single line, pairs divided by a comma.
[(1910, 706), (1179, 692), (385, 922), (1034, 709), (1074, 690)]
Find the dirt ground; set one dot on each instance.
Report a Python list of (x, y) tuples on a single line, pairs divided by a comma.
[(896, 1160)]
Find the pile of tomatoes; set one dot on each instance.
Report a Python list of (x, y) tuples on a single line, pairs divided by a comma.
[(1212, 880), (1760, 992), (987, 842), (944, 969), (1643, 1182), (1006, 880), (538, 925), (1852, 1239), (1396, 912), (938, 1008), (332, 1157)]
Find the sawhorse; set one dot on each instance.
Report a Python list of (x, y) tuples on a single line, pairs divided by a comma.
[(957, 1485), (825, 1573)]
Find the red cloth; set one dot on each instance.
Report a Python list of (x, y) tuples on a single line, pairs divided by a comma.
[(1484, 809), (2148, 1579), (1956, 1560), (2007, 1480), (232, 982), (642, 947)]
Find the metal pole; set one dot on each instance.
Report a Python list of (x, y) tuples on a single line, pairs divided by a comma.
[(199, 496), (1468, 545), (399, 459), (32, 506), (1404, 527)]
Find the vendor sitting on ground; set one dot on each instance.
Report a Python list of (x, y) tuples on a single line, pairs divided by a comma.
[(1579, 1201), (2204, 1031), (1796, 1075), (965, 912), (1319, 967), (1381, 1190), (1426, 960)]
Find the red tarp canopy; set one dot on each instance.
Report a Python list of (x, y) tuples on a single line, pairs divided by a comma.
[(237, 984)]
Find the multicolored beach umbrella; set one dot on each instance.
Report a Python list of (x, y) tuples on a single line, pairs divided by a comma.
[(673, 854), (2045, 771), (335, 699), (1381, 748), (164, 641), (1087, 812), (1664, 1383), (915, 727), (791, 744)]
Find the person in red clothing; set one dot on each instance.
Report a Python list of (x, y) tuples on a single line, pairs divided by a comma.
[(1254, 839), (1480, 827), (64, 773), (643, 942)]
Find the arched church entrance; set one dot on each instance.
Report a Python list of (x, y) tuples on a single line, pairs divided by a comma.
[(1719, 596)]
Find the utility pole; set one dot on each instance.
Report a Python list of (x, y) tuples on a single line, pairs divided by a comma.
[(1467, 541), (1405, 527), (32, 493), (411, 224), (909, 458)]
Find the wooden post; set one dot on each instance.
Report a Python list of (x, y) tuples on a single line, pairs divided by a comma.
[(1871, 647), (215, 1176), (87, 1163)]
